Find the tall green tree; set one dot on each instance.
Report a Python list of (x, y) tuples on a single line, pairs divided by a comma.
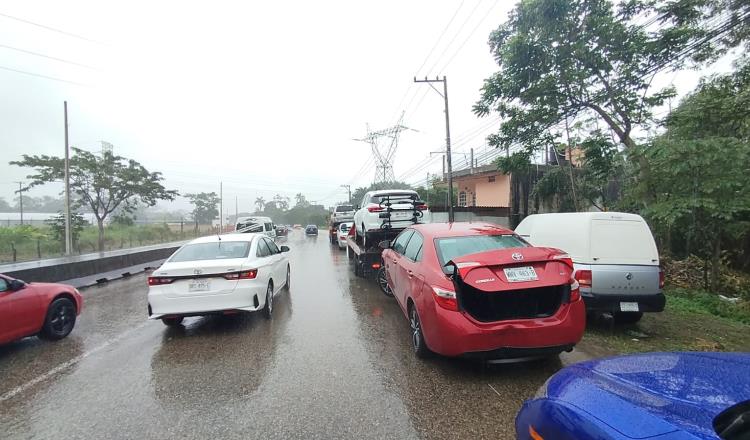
[(103, 183), (57, 226), (563, 59), (260, 203), (205, 207), (701, 167)]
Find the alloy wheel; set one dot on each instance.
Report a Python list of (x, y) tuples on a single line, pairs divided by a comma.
[(63, 319)]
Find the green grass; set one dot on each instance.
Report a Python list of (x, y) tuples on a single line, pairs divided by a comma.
[(693, 320)]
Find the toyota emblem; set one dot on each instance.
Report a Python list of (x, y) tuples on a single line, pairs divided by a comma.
[(628, 276), (517, 256), (197, 271)]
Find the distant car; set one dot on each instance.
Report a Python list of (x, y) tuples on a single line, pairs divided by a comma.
[(615, 258), (675, 396), (218, 274), (390, 210), (256, 224), (343, 213), (282, 231), (478, 290), (341, 233), (48, 310), (311, 230), (297, 226)]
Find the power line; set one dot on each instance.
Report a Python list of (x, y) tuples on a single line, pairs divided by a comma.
[(45, 76), (471, 14), (49, 28), (62, 60), (479, 23)]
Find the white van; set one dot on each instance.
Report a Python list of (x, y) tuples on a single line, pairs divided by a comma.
[(256, 224), (615, 258)]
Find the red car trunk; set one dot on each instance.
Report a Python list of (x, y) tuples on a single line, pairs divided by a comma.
[(513, 283)]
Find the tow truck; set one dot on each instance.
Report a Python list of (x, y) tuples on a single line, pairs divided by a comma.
[(367, 261)]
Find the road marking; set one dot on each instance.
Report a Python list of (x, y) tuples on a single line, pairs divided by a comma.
[(493, 389), (67, 364)]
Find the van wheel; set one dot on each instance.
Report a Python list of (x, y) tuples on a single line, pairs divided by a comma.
[(628, 317)]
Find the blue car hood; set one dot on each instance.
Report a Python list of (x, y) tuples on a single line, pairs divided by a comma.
[(649, 395)]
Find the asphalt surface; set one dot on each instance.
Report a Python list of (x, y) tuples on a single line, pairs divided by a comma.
[(334, 362)]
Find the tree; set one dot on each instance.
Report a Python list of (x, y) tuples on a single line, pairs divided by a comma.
[(103, 182), (205, 207), (301, 200), (57, 226), (260, 203), (5, 206), (562, 59), (700, 167)]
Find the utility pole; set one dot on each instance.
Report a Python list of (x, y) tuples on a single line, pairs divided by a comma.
[(447, 136), (20, 191), (349, 191), (221, 207), (68, 235)]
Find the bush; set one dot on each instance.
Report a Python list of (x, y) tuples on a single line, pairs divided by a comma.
[(699, 301)]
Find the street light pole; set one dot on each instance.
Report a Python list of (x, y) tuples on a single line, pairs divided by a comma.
[(447, 137), (20, 191), (349, 191), (68, 235)]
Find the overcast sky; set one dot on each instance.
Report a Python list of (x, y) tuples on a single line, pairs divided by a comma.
[(266, 97)]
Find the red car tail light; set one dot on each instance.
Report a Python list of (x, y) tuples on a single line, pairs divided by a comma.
[(583, 277), (565, 258), (661, 279), (575, 291), (445, 298), (157, 281), (375, 208), (422, 207), (376, 265), (244, 275)]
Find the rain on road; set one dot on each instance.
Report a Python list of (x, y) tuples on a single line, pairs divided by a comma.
[(334, 362)]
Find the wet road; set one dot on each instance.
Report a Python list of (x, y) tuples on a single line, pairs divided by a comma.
[(335, 362)]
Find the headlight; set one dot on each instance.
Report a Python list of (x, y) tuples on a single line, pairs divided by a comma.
[(542, 391)]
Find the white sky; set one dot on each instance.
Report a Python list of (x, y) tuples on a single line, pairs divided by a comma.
[(266, 97)]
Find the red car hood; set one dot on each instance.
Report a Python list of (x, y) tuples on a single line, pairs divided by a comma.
[(485, 270)]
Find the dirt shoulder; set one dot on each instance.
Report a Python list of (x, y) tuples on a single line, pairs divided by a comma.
[(684, 325)]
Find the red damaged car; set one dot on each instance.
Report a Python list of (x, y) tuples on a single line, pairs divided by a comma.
[(479, 290), (45, 309)]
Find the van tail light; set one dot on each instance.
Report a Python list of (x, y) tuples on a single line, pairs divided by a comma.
[(445, 298), (583, 277), (375, 208), (157, 281), (244, 275), (661, 279)]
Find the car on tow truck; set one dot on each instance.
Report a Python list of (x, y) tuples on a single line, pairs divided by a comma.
[(385, 211), (479, 290), (342, 232)]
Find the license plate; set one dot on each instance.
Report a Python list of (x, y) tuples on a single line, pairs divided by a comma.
[(517, 274), (400, 215), (199, 286), (628, 306)]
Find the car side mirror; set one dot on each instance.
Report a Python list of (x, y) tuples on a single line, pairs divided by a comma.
[(284, 248), (16, 285), (385, 244)]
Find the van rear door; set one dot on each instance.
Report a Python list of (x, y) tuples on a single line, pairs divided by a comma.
[(624, 256)]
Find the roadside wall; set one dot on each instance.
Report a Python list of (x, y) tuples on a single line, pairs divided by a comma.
[(78, 266)]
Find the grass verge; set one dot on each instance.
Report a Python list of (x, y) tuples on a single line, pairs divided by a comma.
[(692, 321)]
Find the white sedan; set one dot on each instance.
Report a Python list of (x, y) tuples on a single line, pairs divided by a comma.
[(341, 232), (218, 274)]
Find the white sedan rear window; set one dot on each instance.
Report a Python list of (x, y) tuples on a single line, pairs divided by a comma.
[(222, 250)]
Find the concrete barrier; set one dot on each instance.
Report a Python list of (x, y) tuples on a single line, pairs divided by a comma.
[(81, 266)]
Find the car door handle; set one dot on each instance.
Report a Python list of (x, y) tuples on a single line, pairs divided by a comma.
[(410, 273)]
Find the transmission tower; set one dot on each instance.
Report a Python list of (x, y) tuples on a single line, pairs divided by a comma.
[(384, 144)]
